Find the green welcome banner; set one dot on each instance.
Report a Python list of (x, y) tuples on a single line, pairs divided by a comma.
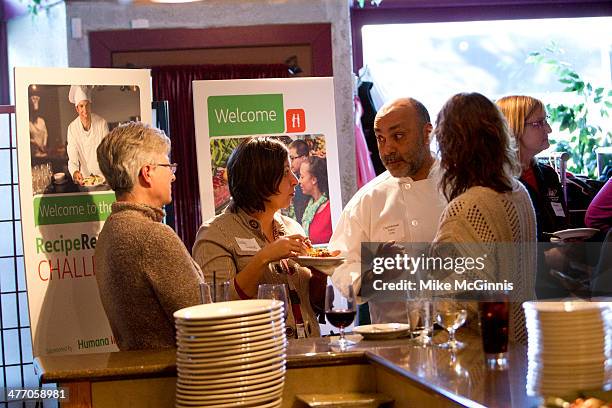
[(230, 115), (71, 209)]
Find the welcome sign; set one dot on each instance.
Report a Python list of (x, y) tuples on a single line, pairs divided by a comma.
[(231, 115), (61, 218), (295, 109)]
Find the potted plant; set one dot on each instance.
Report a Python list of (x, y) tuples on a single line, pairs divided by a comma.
[(584, 119)]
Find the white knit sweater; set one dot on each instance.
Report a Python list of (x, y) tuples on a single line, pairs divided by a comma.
[(501, 225)]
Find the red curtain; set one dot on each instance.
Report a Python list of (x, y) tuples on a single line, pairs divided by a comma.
[(173, 84)]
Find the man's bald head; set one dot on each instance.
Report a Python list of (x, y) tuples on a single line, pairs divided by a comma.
[(402, 129), (410, 104)]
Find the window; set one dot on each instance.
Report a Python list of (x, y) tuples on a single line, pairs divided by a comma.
[(433, 61)]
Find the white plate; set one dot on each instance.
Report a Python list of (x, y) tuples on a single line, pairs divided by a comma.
[(228, 367), (229, 323), (277, 320), (274, 404), (320, 261), (196, 401), (231, 350), (256, 389), (210, 382), (232, 355), (223, 345), (584, 233), (266, 314), (567, 306), (382, 331), (222, 310), (190, 339), (207, 378), (228, 383), (231, 330), (224, 362)]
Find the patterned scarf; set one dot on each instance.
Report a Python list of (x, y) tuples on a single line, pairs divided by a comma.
[(311, 211)]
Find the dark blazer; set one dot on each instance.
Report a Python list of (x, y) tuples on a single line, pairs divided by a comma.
[(549, 193)]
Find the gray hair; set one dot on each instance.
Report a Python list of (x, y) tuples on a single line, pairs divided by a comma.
[(127, 148)]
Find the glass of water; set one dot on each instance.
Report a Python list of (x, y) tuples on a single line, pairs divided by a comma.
[(420, 318)]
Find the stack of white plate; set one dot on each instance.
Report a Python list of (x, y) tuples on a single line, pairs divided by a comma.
[(231, 354), (569, 346)]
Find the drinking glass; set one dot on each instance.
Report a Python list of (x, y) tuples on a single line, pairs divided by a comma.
[(275, 292), (212, 293), (494, 324), (450, 316), (340, 312), (205, 291), (220, 291), (420, 317)]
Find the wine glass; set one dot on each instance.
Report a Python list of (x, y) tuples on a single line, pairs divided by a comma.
[(450, 316), (340, 312), (275, 292)]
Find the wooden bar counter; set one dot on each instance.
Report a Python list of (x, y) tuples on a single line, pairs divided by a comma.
[(413, 376)]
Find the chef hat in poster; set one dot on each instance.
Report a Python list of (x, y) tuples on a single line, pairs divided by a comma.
[(79, 93)]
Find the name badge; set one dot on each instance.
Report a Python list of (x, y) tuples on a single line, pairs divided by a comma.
[(393, 231), (558, 209), (248, 244)]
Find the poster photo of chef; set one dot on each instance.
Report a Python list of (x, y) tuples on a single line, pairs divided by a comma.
[(66, 125), (311, 204)]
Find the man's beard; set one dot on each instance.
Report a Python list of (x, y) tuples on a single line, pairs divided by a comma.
[(410, 167)]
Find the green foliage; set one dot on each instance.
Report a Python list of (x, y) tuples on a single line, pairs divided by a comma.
[(578, 119), (34, 6)]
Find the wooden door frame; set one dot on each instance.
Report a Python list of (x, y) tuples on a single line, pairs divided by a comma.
[(102, 44)]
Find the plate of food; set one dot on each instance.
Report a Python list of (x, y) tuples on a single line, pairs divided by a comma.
[(575, 233), (93, 180), (384, 331), (320, 256), (93, 183)]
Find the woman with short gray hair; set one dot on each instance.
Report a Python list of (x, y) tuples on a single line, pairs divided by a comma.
[(143, 270)]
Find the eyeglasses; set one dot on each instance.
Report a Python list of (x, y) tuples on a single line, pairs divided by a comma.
[(171, 166), (296, 157), (538, 123)]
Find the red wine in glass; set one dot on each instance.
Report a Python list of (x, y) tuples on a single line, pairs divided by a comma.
[(340, 311), (340, 318)]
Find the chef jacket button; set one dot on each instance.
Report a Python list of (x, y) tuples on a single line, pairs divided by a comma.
[(414, 223)]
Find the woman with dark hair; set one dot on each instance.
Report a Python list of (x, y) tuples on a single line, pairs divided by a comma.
[(489, 212), (316, 220), (251, 242)]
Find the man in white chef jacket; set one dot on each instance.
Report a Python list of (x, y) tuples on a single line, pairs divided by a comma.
[(84, 136), (403, 204)]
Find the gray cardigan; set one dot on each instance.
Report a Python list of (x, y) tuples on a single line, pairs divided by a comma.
[(144, 274)]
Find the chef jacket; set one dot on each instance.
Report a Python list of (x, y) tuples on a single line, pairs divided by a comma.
[(385, 209)]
